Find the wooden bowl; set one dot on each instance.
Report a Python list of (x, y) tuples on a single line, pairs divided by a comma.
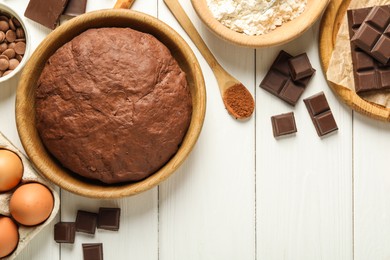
[(25, 101), (283, 34), (329, 28)]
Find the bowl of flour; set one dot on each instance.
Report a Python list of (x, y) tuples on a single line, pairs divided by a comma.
[(259, 23)]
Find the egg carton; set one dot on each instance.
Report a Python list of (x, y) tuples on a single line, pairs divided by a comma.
[(29, 175)]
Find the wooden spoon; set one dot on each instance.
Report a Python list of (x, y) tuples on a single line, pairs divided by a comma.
[(123, 4), (237, 99)]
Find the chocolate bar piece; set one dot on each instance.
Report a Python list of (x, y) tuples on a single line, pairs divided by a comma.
[(283, 124), (320, 114), (300, 67), (86, 222), (279, 82), (45, 12), (64, 232), (75, 7), (369, 74), (373, 36), (93, 251), (109, 218)]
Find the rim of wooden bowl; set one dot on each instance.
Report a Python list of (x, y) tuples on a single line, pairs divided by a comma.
[(25, 100), (283, 34)]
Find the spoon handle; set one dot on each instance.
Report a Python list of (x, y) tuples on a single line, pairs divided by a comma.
[(185, 22), (123, 4)]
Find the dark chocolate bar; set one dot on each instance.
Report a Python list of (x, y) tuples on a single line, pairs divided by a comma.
[(109, 218), (93, 251), (279, 82), (64, 232), (75, 7), (283, 124), (369, 74), (373, 35), (86, 222), (45, 12), (320, 114)]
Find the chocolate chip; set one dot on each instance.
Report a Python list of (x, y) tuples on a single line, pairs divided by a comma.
[(13, 63), (3, 46), (19, 57), (2, 36), (20, 47), (10, 53), (11, 45), (4, 26), (20, 33), (4, 18), (11, 25), (4, 57), (6, 73), (4, 64), (10, 35), (16, 22)]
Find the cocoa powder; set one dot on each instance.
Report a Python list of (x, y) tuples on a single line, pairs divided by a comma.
[(239, 101)]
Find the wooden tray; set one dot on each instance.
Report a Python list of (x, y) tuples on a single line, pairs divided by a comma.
[(329, 28)]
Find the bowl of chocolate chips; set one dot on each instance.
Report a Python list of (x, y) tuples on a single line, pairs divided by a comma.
[(14, 43)]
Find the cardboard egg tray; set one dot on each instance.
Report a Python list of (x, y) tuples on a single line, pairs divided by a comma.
[(29, 175)]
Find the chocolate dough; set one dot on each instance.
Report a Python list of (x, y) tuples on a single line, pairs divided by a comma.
[(113, 105)]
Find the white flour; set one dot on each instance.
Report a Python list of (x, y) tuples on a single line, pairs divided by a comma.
[(252, 17)]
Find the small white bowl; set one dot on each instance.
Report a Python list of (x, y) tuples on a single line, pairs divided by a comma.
[(6, 9)]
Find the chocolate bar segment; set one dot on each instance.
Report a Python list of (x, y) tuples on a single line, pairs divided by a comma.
[(109, 218), (75, 7), (45, 12), (369, 74), (93, 251), (86, 222), (320, 114), (283, 124), (300, 67), (64, 232), (280, 83), (373, 36)]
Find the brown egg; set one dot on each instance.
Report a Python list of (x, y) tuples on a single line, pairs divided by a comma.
[(31, 204), (11, 170), (9, 236)]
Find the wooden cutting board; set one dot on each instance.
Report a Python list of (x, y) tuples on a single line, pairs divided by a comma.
[(329, 28)]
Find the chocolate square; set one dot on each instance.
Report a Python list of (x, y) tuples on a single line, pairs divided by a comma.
[(45, 12), (325, 123), (93, 251), (75, 7), (291, 92), (109, 218), (86, 222), (283, 124), (321, 114), (300, 67), (64, 232)]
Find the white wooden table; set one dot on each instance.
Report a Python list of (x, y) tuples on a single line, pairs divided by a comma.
[(241, 194)]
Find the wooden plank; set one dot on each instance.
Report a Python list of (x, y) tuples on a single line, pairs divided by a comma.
[(207, 207), (137, 237), (371, 185), (303, 182)]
